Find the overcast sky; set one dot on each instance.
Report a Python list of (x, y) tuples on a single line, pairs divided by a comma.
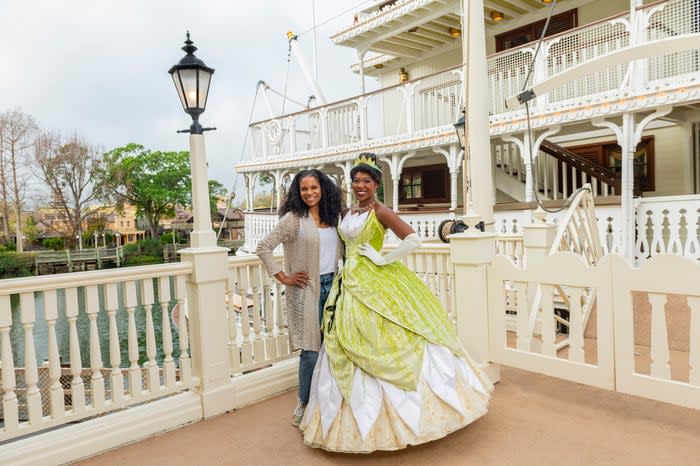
[(99, 67)]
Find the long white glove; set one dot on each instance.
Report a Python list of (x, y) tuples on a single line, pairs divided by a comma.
[(404, 248)]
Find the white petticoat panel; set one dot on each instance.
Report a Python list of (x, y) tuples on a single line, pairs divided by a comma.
[(440, 371)]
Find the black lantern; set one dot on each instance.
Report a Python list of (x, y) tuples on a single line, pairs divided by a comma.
[(191, 77), (459, 128)]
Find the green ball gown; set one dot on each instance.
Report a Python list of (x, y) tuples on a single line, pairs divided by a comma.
[(391, 371)]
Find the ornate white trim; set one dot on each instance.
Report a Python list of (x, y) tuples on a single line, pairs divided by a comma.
[(379, 17), (588, 107), (437, 136)]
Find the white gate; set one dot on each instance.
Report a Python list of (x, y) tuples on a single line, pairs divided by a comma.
[(660, 299), (562, 272)]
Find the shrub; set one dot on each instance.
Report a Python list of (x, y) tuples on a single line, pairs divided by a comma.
[(53, 243), (143, 259), (148, 251), (14, 264)]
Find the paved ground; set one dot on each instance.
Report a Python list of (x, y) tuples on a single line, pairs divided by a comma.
[(533, 420)]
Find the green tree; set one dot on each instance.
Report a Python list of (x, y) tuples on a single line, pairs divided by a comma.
[(152, 181), (216, 190)]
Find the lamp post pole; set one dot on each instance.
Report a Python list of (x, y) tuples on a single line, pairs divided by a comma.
[(206, 286)]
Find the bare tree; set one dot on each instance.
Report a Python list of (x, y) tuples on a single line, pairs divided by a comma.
[(70, 171), (18, 133)]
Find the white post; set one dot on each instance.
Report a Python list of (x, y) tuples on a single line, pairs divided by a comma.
[(471, 253), (538, 237), (361, 58), (202, 235), (346, 167), (206, 289), (477, 109), (627, 186)]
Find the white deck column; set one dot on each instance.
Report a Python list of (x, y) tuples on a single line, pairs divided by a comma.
[(477, 105), (396, 162), (628, 136), (453, 158), (346, 167)]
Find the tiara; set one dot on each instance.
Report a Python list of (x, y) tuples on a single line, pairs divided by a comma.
[(362, 160)]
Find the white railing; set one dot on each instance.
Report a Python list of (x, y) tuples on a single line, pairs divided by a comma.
[(434, 101), (90, 368), (668, 225), (671, 225), (426, 103), (512, 286), (556, 179), (426, 224), (257, 327), (433, 265), (611, 354), (256, 225)]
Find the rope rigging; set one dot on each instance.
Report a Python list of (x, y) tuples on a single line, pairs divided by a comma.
[(530, 140)]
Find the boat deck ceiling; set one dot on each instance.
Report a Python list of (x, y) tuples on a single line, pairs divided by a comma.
[(411, 29)]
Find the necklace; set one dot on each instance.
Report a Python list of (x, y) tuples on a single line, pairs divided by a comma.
[(360, 209)]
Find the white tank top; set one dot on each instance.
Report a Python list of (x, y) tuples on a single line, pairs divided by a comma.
[(328, 238)]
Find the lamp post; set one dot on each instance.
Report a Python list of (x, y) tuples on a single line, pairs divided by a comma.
[(191, 78), (117, 242), (206, 286)]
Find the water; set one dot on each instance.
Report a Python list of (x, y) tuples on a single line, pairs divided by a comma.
[(40, 330)]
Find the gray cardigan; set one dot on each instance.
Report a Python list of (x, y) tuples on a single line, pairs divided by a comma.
[(300, 242)]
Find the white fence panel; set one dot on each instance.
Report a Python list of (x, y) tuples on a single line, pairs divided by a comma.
[(538, 352), (661, 277)]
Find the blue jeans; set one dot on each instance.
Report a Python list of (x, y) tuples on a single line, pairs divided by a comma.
[(307, 359)]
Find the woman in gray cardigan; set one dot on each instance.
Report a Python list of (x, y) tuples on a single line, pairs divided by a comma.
[(312, 249)]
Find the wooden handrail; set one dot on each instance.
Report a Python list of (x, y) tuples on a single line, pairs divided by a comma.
[(594, 171)]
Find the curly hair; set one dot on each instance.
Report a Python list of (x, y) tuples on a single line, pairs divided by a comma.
[(364, 168), (331, 198)]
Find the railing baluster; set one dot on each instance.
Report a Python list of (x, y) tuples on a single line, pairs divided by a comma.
[(10, 404), (234, 348), (135, 378), (152, 369), (58, 408), (115, 359), (31, 375), (247, 340), (267, 310), (97, 383), (183, 333), (258, 342), (660, 355), (168, 361), (548, 324), (522, 327), (76, 365)]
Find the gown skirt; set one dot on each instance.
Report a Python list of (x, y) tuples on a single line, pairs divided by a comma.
[(391, 372)]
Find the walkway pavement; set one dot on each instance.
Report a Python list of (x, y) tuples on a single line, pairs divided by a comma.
[(533, 420)]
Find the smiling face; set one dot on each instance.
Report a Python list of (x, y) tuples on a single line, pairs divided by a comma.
[(310, 191), (364, 186)]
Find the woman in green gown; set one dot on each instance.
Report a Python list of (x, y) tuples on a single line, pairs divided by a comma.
[(391, 371)]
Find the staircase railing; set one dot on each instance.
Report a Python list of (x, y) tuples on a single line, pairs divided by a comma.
[(577, 233), (584, 166)]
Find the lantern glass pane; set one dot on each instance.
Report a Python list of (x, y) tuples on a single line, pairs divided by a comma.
[(189, 88), (204, 80), (178, 88)]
